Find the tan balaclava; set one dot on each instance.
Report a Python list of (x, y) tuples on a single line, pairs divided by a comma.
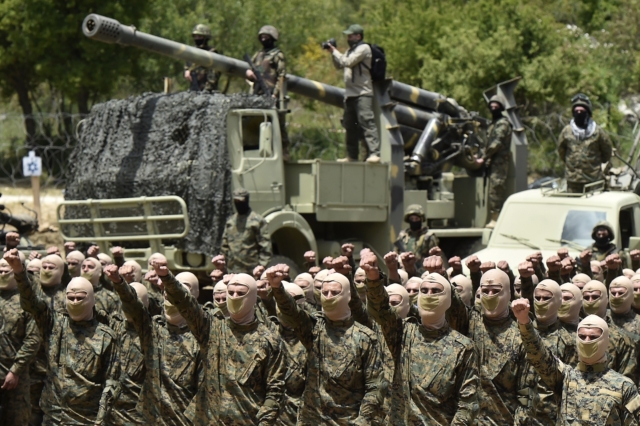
[(336, 308), (432, 307), (51, 278), (360, 278), (580, 280), (569, 312), (34, 266), (242, 309), (7, 279), (93, 276), (599, 306), (191, 281), (629, 273), (593, 352), (317, 284), (105, 259), (636, 291), (497, 305), (137, 270), (622, 304), (221, 287), (305, 282), (80, 310), (404, 276), (547, 310), (398, 293), (171, 312), (463, 287), (77, 257), (298, 295), (414, 283), (143, 295), (598, 274)]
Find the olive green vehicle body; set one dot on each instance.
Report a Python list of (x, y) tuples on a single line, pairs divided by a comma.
[(319, 205)]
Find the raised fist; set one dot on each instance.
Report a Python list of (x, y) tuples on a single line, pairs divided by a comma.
[(473, 263), (369, 263), (111, 271), (435, 251), (347, 249), (521, 308), (487, 266), (93, 251), (219, 262), (117, 251), (310, 257), (12, 240), (391, 260), (433, 264), (341, 265), (554, 264), (525, 269)]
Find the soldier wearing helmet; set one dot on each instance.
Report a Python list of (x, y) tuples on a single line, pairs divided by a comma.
[(497, 156), (207, 78), (271, 63), (416, 238), (583, 146)]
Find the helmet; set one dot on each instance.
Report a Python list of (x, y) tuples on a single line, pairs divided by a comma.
[(581, 100), (498, 99), (606, 225), (202, 30), (414, 209), (269, 30)]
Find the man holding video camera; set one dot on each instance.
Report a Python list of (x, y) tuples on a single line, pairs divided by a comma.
[(358, 119)]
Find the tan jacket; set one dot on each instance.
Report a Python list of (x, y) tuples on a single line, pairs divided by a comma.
[(356, 63)]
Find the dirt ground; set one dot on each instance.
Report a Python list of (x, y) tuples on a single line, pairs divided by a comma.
[(13, 200)]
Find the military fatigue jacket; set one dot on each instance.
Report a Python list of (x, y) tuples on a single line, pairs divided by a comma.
[(131, 373), (81, 363), (436, 380), (19, 337), (343, 367), (538, 402), (207, 78), (590, 394), (172, 360), (156, 299), (246, 243), (417, 242), (498, 141), (629, 321), (56, 300), (106, 300), (622, 350), (244, 371), (272, 65), (583, 157)]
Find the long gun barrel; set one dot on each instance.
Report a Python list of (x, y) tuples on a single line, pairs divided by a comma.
[(109, 30)]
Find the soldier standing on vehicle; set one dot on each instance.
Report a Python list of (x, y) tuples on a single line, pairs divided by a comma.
[(602, 246), (245, 241), (496, 157), (206, 78), (271, 63), (358, 119), (583, 146), (417, 238)]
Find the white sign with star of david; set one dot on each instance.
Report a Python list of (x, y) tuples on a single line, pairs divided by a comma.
[(32, 165)]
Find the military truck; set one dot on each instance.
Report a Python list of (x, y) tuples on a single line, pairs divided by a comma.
[(318, 205), (548, 218)]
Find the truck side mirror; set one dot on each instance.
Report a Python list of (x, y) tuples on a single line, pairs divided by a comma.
[(266, 139)]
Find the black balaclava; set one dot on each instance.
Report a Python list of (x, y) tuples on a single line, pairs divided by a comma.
[(242, 207), (496, 113), (268, 43), (581, 118), (603, 241), (415, 225), (201, 42)]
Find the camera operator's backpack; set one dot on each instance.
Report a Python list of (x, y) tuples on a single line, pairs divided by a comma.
[(378, 68)]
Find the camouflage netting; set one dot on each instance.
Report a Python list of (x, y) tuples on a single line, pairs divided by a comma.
[(157, 144)]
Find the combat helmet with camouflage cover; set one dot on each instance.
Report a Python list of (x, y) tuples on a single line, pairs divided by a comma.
[(202, 30), (606, 225), (269, 30), (581, 100), (497, 99), (414, 209)]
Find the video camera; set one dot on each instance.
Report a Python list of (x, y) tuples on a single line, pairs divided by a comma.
[(331, 42)]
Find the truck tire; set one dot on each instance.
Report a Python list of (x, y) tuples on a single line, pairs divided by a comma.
[(294, 270)]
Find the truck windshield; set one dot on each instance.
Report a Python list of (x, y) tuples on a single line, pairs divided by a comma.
[(579, 224), (537, 224)]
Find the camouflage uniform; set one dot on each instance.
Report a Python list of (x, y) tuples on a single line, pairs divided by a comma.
[(497, 156), (246, 243), (81, 363), (244, 371), (622, 350), (172, 359), (539, 403), (19, 343), (273, 67), (343, 367), (132, 373), (418, 242), (56, 301), (207, 78), (583, 157), (629, 322), (590, 394), (106, 300), (156, 299), (436, 380)]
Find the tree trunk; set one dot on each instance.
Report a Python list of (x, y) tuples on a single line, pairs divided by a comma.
[(22, 89), (83, 101)]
